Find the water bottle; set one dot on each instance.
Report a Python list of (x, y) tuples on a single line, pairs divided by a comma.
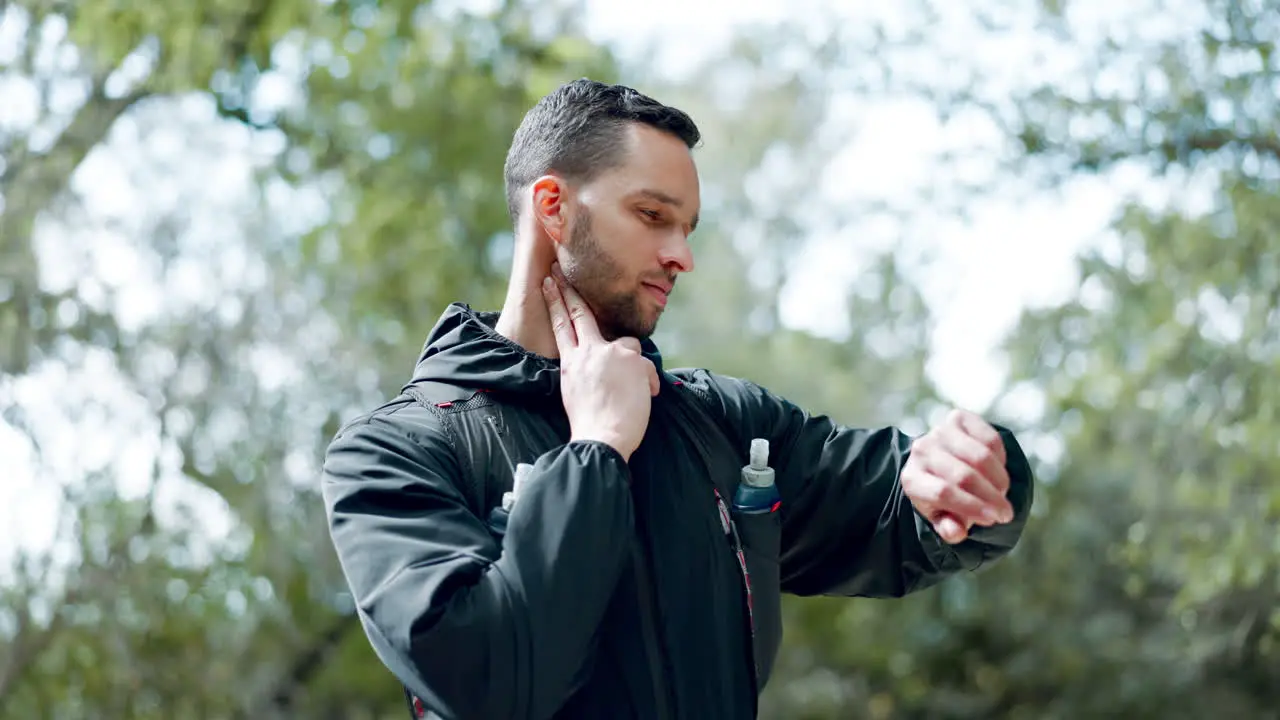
[(757, 494)]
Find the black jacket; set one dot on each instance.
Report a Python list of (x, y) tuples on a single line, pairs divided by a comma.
[(614, 592)]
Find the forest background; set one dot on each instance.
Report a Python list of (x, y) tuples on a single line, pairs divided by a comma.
[(227, 225)]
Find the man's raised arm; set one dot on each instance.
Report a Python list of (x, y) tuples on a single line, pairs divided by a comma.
[(860, 516)]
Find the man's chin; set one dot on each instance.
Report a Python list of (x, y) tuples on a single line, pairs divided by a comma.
[(638, 321), (646, 328), (639, 331)]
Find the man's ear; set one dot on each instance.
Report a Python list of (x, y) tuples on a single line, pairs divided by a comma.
[(549, 195)]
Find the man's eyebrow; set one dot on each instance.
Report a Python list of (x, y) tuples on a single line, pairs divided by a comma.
[(662, 197)]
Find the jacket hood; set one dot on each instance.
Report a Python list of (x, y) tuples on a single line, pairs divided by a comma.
[(463, 349)]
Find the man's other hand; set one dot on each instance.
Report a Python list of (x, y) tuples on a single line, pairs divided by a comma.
[(956, 476)]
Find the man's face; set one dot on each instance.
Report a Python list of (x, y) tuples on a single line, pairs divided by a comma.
[(628, 233)]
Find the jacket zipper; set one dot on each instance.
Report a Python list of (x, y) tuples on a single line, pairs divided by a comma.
[(648, 627), (730, 528)]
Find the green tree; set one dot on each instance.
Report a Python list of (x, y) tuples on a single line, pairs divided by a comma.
[(238, 376), (1158, 375), (1146, 585)]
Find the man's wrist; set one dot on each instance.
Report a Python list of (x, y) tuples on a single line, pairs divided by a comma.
[(604, 439)]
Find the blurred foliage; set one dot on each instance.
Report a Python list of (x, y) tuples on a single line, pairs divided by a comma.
[(1147, 585), (264, 337), (180, 332), (1159, 374)]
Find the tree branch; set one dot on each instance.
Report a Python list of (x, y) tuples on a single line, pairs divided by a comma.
[(1181, 150), (50, 173), (34, 181), (308, 664), (237, 51)]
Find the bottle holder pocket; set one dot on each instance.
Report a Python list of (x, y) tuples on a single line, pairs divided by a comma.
[(761, 537)]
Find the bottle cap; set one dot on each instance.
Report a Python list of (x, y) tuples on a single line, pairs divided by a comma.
[(522, 478), (759, 453)]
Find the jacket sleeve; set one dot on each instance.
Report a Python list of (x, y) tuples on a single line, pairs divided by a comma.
[(847, 527), (473, 627)]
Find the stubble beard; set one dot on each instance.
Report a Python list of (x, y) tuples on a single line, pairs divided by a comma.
[(594, 274)]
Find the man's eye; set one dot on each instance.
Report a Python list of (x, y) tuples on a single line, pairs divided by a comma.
[(651, 215)]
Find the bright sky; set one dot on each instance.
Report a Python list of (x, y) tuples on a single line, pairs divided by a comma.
[(984, 273), (1014, 252)]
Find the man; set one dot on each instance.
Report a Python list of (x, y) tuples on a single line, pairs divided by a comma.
[(619, 584)]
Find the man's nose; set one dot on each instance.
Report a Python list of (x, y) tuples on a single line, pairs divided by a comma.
[(676, 253)]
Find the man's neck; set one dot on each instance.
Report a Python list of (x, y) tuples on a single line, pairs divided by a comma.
[(524, 319)]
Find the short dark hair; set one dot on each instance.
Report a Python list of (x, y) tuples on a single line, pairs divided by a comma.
[(577, 131)]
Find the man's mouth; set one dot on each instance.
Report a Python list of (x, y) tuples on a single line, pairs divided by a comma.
[(659, 292)]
